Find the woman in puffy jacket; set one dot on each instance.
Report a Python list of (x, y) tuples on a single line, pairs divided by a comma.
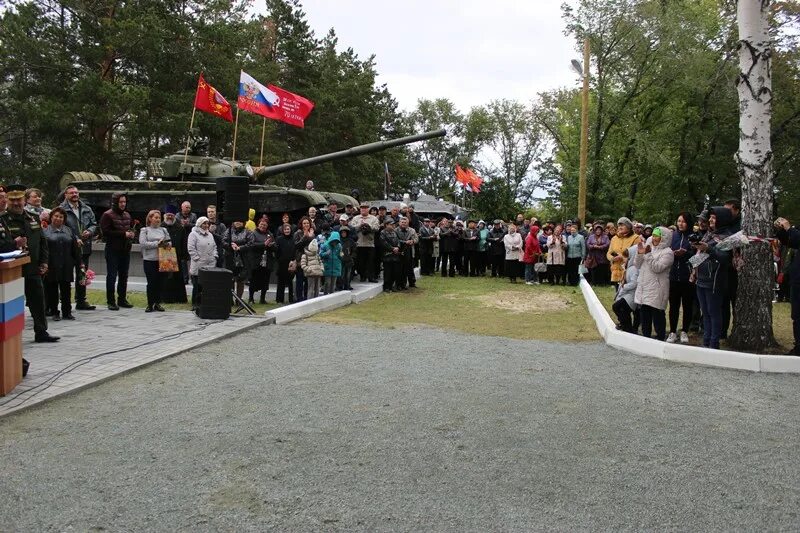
[(681, 290), (624, 239), (654, 260), (712, 274), (202, 250)]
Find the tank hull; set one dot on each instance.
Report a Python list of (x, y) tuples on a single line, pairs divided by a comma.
[(144, 195)]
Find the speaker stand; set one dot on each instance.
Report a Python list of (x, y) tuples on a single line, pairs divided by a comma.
[(242, 304)]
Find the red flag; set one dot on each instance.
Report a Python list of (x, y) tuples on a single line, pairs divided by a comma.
[(293, 107), (474, 181), (209, 100)]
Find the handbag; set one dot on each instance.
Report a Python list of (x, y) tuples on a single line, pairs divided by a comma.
[(168, 260), (237, 260), (541, 266), (590, 262)]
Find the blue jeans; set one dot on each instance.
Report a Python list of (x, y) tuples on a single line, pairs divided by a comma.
[(117, 264), (530, 273), (711, 306)]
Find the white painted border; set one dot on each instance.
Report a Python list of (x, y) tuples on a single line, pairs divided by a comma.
[(680, 352)]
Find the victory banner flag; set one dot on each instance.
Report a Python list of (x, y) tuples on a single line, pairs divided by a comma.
[(208, 99), (272, 102)]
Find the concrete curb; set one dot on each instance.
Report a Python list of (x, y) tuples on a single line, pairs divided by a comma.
[(360, 293), (681, 353), (307, 308)]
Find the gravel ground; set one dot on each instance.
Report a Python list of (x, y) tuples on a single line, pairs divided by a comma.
[(328, 427)]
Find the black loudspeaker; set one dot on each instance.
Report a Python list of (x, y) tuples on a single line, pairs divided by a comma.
[(216, 298), (233, 198)]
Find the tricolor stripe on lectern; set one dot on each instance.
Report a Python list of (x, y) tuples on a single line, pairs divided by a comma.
[(12, 308)]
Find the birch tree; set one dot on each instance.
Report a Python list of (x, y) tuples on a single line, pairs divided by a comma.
[(752, 327)]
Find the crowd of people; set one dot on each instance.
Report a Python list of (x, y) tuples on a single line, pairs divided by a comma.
[(668, 278)]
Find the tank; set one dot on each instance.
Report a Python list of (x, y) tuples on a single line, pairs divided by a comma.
[(192, 176)]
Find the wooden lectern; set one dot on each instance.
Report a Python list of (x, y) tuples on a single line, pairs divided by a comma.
[(12, 320)]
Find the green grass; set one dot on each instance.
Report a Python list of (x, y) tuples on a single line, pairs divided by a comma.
[(482, 306), (781, 322), (139, 300)]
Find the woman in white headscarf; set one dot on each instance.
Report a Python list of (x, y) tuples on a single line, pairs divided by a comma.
[(202, 254)]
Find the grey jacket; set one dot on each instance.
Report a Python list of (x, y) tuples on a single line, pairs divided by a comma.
[(627, 289), (86, 222), (202, 250), (149, 238)]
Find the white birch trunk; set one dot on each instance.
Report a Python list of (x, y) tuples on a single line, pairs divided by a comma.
[(752, 327)]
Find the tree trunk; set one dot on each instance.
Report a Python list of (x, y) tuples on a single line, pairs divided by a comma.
[(752, 325)]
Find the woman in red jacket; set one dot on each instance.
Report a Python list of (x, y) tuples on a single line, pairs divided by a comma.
[(531, 255)]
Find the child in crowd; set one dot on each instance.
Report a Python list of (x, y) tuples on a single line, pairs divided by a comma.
[(331, 255), (348, 257), (311, 265), (624, 305)]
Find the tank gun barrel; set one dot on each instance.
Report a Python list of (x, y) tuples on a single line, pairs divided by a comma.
[(363, 149)]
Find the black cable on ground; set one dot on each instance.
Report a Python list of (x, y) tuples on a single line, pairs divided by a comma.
[(80, 362)]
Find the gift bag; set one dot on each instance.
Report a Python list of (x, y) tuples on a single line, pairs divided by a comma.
[(168, 260)]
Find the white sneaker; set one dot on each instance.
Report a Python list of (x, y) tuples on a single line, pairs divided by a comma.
[(529, 283), (684, 338), (672, 338)]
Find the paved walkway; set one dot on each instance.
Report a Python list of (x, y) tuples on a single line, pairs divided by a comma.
[(101, 344), (340, 428)]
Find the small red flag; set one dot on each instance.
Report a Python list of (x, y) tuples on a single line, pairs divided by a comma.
[(209, 100), (475, 182)]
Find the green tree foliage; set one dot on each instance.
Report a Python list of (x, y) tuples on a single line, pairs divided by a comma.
[(664, 109), (102, 86)]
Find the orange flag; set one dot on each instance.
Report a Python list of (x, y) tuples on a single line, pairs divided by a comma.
[(474, 181), (461, 176)]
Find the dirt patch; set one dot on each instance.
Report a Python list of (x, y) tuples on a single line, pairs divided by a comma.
[(524, 301)]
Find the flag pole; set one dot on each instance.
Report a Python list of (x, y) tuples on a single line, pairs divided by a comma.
[(188, 137), (385, 180), (235, 132), (263, 129)]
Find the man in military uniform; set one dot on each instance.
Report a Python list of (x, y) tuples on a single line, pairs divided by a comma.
[(25, 230), (3, 199), (7, 244)]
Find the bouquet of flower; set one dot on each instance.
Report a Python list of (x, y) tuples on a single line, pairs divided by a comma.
[(85, 277), (732, 242)]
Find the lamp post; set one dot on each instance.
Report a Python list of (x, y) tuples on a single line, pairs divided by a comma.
[(583, 71)]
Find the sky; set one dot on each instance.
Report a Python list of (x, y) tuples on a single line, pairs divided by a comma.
[(468, 51)]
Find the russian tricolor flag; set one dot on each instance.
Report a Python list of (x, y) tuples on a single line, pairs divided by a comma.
[(272, 102), (255, 98)]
